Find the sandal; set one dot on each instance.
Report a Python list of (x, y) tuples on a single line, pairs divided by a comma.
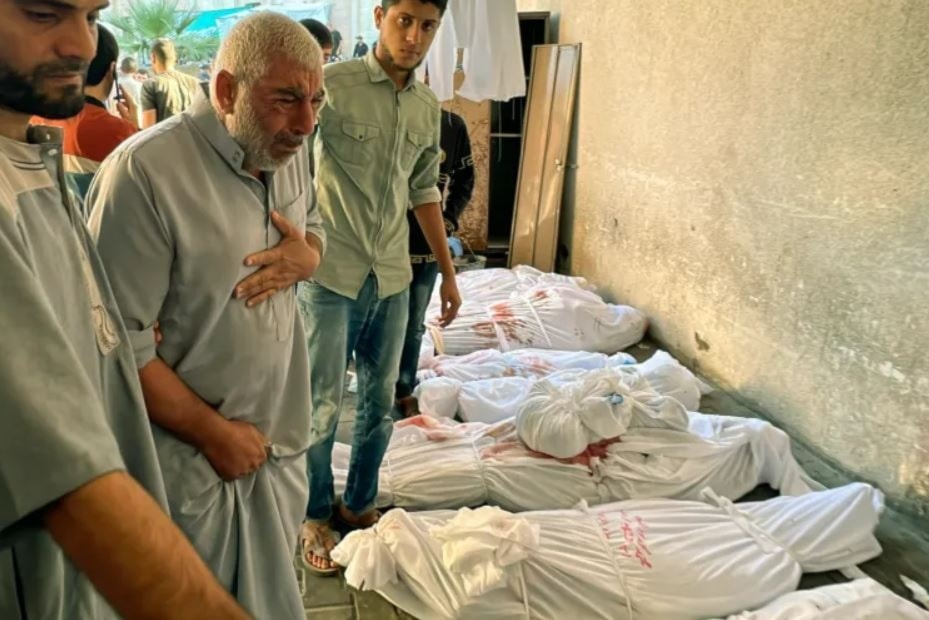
[(313, 539)]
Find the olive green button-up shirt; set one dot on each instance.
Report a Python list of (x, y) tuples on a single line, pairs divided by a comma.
[(377, 155)]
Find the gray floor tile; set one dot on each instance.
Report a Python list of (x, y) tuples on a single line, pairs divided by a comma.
[(332, 613), (324, 591), (372, 606)]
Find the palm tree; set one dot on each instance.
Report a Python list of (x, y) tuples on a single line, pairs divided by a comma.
[(147, 20)]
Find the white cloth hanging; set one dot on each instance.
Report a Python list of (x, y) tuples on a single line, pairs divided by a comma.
[(441, 60), (488, 31), (636, 560), (493, 58)]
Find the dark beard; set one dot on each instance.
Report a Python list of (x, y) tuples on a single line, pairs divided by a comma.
[(21, 93)]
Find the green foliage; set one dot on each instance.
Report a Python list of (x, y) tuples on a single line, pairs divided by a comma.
[(147, 20)]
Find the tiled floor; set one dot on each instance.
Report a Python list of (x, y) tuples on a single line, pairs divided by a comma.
[(905, 541)]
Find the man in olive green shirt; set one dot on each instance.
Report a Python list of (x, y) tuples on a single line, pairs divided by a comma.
[(170, 92), (377, 154)]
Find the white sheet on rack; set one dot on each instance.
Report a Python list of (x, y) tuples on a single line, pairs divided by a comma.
[(639, 560), (861, 599)]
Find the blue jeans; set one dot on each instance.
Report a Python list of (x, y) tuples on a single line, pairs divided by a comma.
[(337, 326), (424, 277)]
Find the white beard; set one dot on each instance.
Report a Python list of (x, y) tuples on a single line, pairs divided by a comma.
[(245, 128)]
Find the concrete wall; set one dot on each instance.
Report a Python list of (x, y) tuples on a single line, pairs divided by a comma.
[(755, 176)]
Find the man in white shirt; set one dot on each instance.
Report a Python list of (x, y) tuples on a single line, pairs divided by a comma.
[(127, 82)]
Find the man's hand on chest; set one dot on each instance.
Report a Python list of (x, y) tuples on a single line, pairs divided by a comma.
[(293, 259)]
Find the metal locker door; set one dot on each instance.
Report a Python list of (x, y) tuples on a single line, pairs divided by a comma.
[(549, 117)]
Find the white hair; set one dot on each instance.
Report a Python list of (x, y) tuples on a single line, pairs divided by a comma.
[(258, 41)]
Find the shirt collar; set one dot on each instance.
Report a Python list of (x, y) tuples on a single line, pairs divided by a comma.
[(41, 141), (94, 101), (377, 74), (204, 118)]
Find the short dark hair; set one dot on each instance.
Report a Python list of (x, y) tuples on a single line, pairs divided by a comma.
[(107, 53), (319, 31), (441, 4)]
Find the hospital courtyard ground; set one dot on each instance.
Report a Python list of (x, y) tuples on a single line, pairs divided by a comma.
[(904, 539)]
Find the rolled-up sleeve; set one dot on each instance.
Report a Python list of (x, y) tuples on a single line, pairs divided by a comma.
[(135, 246), (314, 219), (425, 178), (54, 434)]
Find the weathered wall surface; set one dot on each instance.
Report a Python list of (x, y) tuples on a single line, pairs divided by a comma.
[(472, 226), (755, 176)]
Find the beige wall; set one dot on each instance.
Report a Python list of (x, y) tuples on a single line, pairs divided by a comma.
[(755, 176), (472, 226)]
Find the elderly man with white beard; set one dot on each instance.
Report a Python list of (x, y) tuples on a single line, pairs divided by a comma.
[(205, 223)]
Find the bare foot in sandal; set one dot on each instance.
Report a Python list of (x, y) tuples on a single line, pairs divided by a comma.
[(317, 540)]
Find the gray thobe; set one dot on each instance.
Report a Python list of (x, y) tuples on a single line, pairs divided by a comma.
[(175, 215), (71, 407)]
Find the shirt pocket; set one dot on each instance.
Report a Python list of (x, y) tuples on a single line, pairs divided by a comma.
[(414, 145), (356, 143)]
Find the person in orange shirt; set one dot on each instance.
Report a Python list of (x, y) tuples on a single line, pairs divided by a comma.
[(94, 133)]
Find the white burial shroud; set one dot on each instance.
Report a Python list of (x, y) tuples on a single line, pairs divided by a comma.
[(561, 417), (524, 308), (438, 463), (487, 386), (636, 560), (487, 286), (861, 599)]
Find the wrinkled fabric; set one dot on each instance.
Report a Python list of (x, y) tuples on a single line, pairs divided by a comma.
[(493, 58), (437, 463), (487, 286), (175, 259), (637, 560), (861, 599), (562, 418), (370, 562), (479, 545), (71, 407), (558, 317), (493, 364), (488, 31), (487, 386), (480, 288)]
